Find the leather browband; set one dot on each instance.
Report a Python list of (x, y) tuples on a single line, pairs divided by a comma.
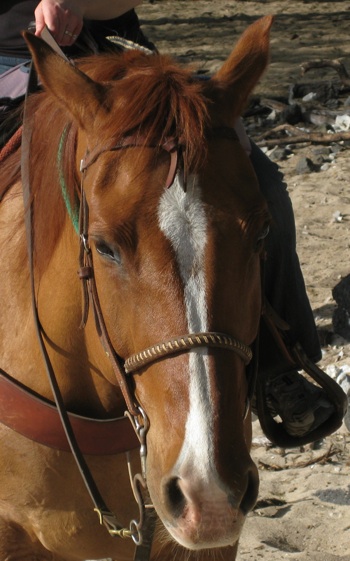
[(37, 419)]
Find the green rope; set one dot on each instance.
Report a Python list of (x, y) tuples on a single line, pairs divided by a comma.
[(73, 211)]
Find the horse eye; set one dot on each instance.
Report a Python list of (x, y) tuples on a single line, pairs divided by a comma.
[(264, 233), (260, 240), (107, 252)]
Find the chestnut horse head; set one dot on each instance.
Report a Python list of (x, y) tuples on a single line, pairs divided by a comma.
[(175, 225)]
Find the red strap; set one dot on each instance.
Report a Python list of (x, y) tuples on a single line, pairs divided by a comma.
[(38, 419), (12, 145)]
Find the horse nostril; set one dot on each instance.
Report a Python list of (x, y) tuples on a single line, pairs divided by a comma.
[(175, 497), (251, 493)]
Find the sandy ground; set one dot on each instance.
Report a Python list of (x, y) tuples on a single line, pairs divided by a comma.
[(304, 508)]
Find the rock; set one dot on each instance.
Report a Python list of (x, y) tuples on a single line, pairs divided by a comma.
[(336, 148), (321, 150), (278, 153), (321, 156), (342, 123), (311, 96), (291, 114), (343, 380), (324, 92), (318, 160), (305, 165)]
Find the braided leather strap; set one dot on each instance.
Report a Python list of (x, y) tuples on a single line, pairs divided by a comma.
[(186, 343)]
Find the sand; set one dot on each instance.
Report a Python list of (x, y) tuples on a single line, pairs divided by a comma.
[(303, 512)]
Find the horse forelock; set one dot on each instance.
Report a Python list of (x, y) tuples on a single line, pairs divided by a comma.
[(153, 98)]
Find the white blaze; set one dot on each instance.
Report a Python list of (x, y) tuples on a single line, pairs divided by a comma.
[(183, 221)]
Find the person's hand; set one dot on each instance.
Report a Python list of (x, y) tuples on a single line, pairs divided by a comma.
[(63, 18)]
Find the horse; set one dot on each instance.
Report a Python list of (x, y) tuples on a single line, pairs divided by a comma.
[(139, 182)]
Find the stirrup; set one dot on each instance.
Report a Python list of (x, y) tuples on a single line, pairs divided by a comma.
[(298, 360)]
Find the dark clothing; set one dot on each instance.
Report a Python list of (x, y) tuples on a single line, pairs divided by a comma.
[(126, 26), (284, 284), (22, 13)]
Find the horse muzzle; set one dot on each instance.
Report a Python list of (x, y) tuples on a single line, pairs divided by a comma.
[(202, 513)]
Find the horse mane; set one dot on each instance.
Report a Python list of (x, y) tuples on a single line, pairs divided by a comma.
[(151, 96)]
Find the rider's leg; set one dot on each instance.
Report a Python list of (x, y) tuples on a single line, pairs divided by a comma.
[(301, 405), (8, 62)]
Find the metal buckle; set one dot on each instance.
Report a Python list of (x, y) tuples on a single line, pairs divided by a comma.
[(138, 481)]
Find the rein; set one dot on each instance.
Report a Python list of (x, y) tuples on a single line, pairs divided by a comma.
[(106, 516)]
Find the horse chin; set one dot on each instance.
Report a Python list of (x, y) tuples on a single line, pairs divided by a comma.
[(199, 542), (206, 536), (168, 545), (209, 529)]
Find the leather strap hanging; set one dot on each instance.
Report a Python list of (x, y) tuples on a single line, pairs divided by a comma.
[(144, 537), (107, 518), (90, 293)]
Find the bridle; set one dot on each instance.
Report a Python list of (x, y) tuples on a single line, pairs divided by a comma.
[(186, 343), (141, 531), (160, 350)]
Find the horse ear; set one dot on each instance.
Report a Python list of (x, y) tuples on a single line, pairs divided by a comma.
[(238, 76), (74, 90)]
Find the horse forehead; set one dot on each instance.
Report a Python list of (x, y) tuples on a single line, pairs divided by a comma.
[(132, 189), (181, 212), (186, 211)]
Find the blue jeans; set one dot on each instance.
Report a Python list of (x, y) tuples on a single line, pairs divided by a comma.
[(8, 62)]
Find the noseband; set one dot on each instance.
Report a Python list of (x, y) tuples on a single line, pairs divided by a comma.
[(186, 343)]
